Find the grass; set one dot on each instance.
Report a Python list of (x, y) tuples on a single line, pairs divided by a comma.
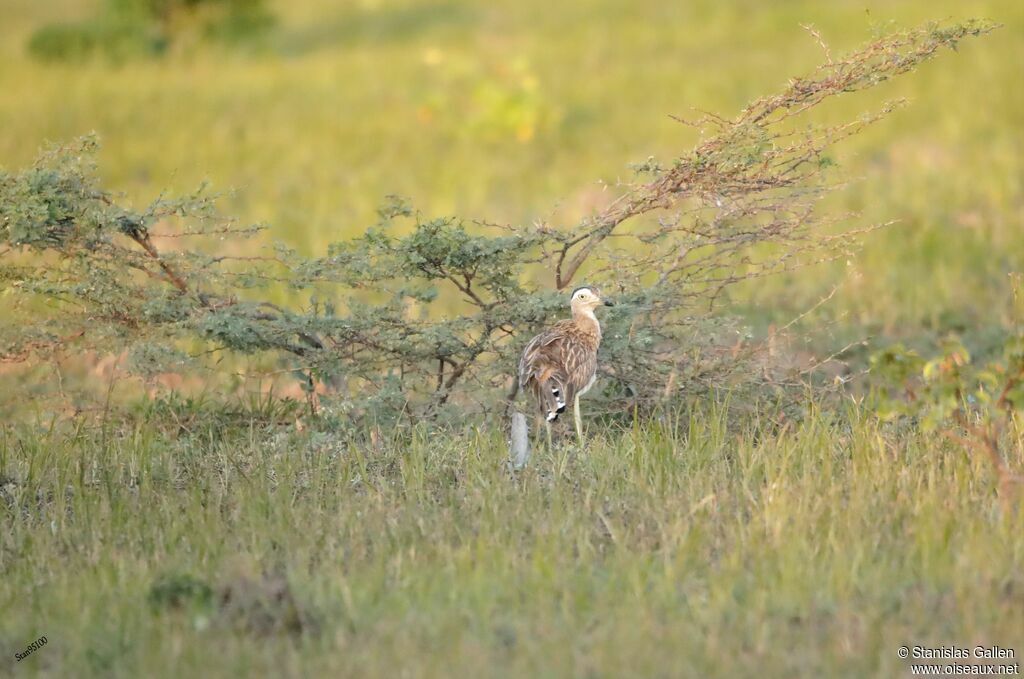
[(677, 548)]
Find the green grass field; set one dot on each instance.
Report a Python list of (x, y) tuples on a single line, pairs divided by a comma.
[(676, 549), (693, 545)]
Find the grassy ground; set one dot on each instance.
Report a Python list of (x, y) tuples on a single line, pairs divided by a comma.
[(677, 549)]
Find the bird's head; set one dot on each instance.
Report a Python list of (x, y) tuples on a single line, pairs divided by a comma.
[(585, 299)]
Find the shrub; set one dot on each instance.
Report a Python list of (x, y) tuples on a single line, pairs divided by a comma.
[(64, 42), (976, 405), (128, 29)]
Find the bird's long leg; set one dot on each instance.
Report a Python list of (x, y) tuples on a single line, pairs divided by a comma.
[(547, 427), (576, 417)]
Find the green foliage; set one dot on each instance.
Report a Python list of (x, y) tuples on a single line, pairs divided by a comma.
[(179, 590), (128, 29), (951, 381), (245, 603), (950, 385), (69, 42), (952, 394)]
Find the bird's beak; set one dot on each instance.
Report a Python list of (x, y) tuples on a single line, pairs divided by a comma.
[(608, 302)]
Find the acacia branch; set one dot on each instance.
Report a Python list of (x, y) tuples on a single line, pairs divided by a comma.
[(718, 168)]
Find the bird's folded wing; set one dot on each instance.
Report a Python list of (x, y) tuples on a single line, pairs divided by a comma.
[(540, 350)]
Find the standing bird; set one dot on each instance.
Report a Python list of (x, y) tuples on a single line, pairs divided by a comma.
[(560, 364)]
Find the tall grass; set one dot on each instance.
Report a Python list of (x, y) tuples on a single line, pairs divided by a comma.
[(675, 548)]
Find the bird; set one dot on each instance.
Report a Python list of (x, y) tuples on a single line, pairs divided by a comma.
[(560, 364)]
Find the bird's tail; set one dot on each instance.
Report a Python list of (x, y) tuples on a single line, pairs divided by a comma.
[(553, 398)]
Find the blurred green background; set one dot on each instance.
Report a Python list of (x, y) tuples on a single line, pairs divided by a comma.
[(517, 111)]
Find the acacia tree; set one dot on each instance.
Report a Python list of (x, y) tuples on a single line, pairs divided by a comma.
[(81, 269)]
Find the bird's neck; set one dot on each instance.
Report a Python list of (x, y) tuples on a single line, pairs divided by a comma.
[(586, 321)]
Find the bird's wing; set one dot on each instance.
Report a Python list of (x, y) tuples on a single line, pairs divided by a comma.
[(526, 361), (542, 349)]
